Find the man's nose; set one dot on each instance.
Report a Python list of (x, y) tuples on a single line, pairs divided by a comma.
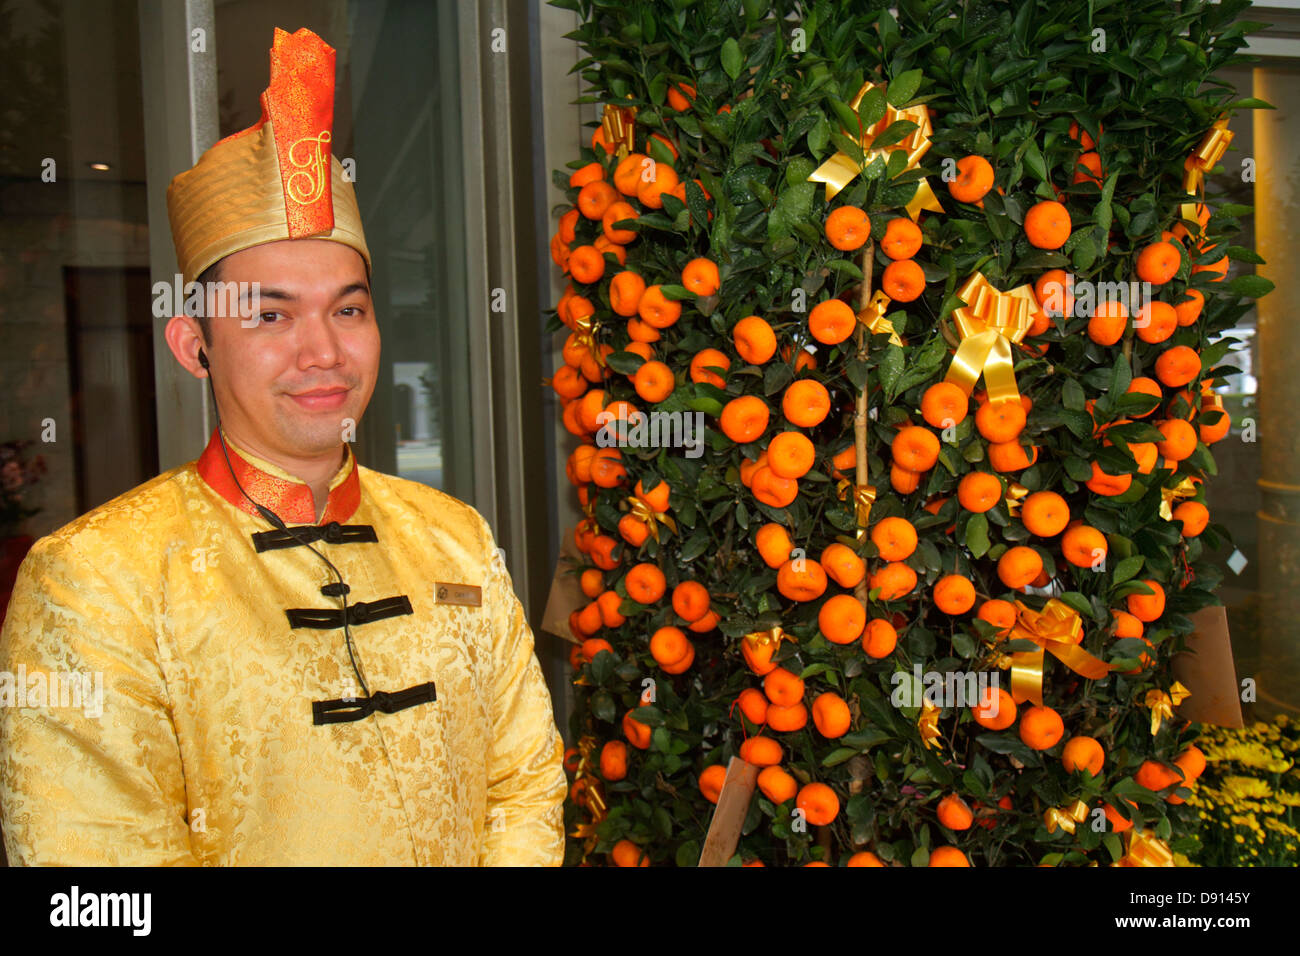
[(319, 345)]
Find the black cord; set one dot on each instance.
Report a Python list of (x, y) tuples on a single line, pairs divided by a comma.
[(279, 525)]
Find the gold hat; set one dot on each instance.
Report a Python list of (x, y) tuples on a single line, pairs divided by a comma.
[(275, 180)]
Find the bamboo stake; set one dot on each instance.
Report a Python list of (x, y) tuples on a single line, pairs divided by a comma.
[(860, 411)]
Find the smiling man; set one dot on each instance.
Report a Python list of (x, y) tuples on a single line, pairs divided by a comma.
[(303, 661)]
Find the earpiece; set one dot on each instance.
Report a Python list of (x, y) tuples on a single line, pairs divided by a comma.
[(203, 360)]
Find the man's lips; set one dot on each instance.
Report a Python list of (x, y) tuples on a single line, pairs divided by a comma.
[(322, 398)]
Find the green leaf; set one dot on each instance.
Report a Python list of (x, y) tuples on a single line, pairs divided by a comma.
[(1072, 396), (977, 534), (872, 108), (848, 119), (1127, 568), (732, 61), (838, 756), (1252, 287), (903, 87)]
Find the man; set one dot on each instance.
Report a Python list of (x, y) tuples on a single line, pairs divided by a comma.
[(303, 661)]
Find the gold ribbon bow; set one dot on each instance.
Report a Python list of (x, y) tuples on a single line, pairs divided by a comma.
[(1203, 159), (1057, 629), (873, 316), (1015, 491), (863, 497), (1146, 850), (649, 517), (1065, 817), (591, 786), (840, 170), (584, 334), (619, 124), (989, 323), (1184, 489), (928, 725), (772, 637), (1162, 705)]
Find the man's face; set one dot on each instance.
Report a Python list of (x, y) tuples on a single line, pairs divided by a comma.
[(291, 383)]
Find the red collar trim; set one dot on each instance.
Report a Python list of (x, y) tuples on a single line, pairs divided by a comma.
[(275, 489)]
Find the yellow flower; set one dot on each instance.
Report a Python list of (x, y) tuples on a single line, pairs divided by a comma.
[(1288, 799), (1246, 787)]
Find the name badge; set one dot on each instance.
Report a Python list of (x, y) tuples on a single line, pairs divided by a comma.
[(466, 595)]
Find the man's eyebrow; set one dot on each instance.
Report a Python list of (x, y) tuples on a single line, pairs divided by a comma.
[(277, 294), (352, 288)]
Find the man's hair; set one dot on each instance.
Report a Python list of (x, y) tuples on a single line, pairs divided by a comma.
[(211, 274)]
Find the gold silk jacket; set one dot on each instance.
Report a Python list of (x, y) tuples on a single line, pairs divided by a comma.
[(206, 752)]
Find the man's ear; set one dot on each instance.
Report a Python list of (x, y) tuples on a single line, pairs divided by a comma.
[(185, 339)]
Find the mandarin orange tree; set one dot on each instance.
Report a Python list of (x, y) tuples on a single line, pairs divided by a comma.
[(829, 226)]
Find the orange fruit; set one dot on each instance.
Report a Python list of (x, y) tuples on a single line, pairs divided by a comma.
[(807, 584), (1047, 225), (701, 365), (605, 247), (848, 228), (748, 467), (1082, 545), (653, 183), (1158, 262), (955, 813), (879, 638), (1045, 513), (701, 277), (1117, 823), (625, 291), (1011, 455), (1189, 310), (842, 619), (954, 594), (656, 309), (831, 715), (787, 719), (595, 197), (902, 238), (753, 705), (1147, 607), (1000, 421), (645, 583), (744, 419), (895, 580), (617, 212), (637, 733), (944, 404), (903, 281), (754, 339), (613, 760), (586, 264), (1146, 386), (1156, 776), (818, 802), (761, 751), (842, 565), (1041, 728), (1178, 365), (773, 490), (669, 645), (777, 785), (1180, 439), (895, 538), (1218, 267), (978, 491), (864, 858), (653, 381), (774, 544), (1109, 485), (974, 179), (592, 582), (915, 448), (1083, 753), (1155, 322), (1108, 322), (690, 600), (947, 856), (1192, 763), (628, 173), (1087, 169), (791, 454), (656, 497), (996, 709), (711, 780), (607, 468), (1001, 614), (783, 688), (707, 623), (680, 96), (609, 603), (568, 230), (1080, 134), (1054, 291), (831, 322), (903, 480), (1194, 517), (806, 403), (1018, 567), (627, 853), (642, 331), (1126, 625)]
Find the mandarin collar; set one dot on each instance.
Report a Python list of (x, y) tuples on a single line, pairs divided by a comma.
[(272, 487)]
